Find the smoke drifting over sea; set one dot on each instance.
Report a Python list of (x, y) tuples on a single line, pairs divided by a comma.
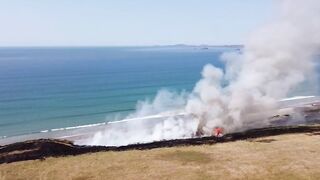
[(276, 59)]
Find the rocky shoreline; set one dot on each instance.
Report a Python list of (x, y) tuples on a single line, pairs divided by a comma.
[(43, 148)]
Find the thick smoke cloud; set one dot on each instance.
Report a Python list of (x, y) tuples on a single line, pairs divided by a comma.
[(275, 60)]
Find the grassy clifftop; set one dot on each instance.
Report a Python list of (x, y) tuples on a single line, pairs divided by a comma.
[(290, 156)]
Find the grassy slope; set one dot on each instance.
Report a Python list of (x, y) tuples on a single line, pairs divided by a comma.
[(295, 156)]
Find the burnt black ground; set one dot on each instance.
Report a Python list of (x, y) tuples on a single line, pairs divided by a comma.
[(43, 148)]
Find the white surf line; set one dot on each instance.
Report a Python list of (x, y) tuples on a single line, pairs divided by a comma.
[(300, 101), (296, 98), (85, 126), (74, 127), (146, 117)]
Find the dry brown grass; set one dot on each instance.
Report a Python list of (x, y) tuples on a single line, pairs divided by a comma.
[(280, 157)]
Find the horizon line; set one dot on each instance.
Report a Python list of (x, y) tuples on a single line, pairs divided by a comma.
[(95, 46)]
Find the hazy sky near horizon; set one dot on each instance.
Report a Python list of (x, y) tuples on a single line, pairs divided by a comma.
[(129, 22)]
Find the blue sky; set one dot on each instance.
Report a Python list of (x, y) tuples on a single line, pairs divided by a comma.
[(129, 22)]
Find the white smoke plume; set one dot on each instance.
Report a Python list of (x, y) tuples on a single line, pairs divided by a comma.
[(164, 101), (153, 121), (275, 60)]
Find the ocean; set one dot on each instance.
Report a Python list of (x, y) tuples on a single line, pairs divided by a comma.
[(45, 89)]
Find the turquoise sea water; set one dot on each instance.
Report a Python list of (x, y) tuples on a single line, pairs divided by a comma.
[(48, 88)]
